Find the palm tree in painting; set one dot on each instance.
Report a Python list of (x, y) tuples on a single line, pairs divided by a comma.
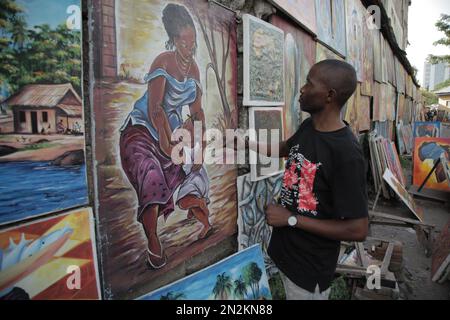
[(252, 276), (223, 287), (240, 288), (173, 296)]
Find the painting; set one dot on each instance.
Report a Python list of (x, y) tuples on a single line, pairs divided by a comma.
[(302, 11), (253, 198), (408, 138), (355, 36), (391, 102), (323, 53), (330, 17), (50, 259), (399, 76), (263, 63), (427, 152), (300, 56), (445, 130), (427, 129), (156, 211), (377, 57), (403, 194), (364, 114), (42, 142), (368, 60), (266, 126), (241, 276), (352, 110)]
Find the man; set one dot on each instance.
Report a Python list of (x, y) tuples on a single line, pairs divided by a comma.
[(324, 195)]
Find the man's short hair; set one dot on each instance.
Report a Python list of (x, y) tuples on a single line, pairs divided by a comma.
[(340, 76)]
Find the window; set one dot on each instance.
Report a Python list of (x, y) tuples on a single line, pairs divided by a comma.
[(45, 116), (22, 116)]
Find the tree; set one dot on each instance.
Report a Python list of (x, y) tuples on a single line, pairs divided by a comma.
[(429, 97), (173, 296), (240, 288), (252, 275), (443, 25), (220, 24), (442, 85), (223, 287)]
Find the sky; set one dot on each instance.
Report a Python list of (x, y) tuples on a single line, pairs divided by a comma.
[(50, 11), (422, 32)]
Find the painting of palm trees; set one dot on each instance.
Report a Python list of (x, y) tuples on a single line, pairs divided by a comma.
[(241, 276)]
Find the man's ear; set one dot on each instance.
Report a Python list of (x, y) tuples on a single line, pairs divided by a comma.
[(332, 95)]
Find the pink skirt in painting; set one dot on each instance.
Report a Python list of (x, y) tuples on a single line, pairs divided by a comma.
[(153, 174)]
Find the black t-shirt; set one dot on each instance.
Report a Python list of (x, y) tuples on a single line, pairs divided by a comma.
[(324, 179)]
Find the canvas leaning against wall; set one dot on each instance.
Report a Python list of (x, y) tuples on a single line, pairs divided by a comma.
[(253, 199), (403, 194), (42, 142), (427, 152), (50, 259), (154, 214), (427, 129), (263, 63), (241, 276)]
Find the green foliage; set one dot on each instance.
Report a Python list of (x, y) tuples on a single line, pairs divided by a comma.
[(40, 55), (223, 287), (340, 290), (442, 85), (252, 275), (173, 296), (240, 288), (442, 25), (277, 287), (429, 97)]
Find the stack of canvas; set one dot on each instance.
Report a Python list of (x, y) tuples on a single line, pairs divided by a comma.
[(383, 155)]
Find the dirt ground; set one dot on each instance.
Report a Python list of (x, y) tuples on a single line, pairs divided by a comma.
[(416, 283)]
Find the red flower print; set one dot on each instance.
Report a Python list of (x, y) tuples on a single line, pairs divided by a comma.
[(290, 177), (307, 200)]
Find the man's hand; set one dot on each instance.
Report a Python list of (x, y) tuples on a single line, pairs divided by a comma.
[(277, 216)]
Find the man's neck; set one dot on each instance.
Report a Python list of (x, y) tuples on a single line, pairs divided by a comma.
[(328, 120)]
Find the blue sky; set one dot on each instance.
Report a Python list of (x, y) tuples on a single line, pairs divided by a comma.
[(199, 286), (52, 12)]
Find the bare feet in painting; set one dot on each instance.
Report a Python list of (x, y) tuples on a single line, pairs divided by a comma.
[(206, 232)]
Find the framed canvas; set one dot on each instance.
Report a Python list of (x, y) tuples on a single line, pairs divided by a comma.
[(263, 63), (266, 126)]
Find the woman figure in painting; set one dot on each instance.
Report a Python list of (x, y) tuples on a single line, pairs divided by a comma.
[(145, 143)]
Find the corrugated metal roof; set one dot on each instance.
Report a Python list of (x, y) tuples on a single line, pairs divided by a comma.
[(71, 111), (443, 91), (41, 95)]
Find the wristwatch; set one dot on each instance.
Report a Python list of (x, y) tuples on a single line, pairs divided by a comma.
[(292, 221)]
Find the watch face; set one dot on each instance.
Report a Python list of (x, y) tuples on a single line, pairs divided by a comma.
[(292, 221)]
